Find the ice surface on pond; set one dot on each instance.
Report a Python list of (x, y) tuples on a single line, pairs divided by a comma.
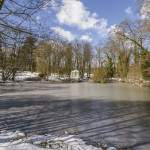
[(18, 141)]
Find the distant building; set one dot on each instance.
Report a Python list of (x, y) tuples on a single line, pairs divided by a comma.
[(75, 74)]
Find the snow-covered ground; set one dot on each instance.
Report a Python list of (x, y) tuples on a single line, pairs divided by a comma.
[(0, 75), (19, 141), (53, 77), (20, 76), (26, 75)]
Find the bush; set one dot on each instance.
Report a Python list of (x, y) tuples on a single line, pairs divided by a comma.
[(100, 75), (145, 66), (42, 75)]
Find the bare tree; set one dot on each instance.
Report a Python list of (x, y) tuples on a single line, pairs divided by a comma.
[(16, 23), (87, 58)]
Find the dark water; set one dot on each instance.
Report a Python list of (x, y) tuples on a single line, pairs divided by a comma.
[(118, 114)]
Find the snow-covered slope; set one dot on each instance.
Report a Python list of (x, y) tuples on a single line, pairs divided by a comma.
[(18, 141)]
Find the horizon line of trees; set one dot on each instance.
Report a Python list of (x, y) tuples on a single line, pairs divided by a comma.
[(46, 57), (125, 55)]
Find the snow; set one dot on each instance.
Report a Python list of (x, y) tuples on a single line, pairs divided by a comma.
[(111, 148), (22, 146), (0, 76), (26, 75), (20, 76), (56, 77), (6, 135), (53, 77), (18, 141)]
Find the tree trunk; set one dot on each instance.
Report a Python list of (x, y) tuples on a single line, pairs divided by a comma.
[(1, 3)]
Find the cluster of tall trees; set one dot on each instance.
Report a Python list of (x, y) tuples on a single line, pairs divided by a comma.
[(17, 22), (126, 54), (21, 51), (55, 56), (47, 57)]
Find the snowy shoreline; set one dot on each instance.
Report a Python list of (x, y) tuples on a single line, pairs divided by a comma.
[(34, 76), (19, 141)]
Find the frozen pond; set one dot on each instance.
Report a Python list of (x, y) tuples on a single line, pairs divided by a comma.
[(116, 113)]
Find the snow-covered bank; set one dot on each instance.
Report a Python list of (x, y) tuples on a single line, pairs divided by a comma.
[(139, 83), (34, 76), (18, 141), (25, 75)]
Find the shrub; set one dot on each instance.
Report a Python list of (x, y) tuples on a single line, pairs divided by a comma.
[(42, 75), (145, 66), (100, 75)]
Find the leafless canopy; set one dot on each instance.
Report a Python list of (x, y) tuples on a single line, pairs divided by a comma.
[(18, 17)]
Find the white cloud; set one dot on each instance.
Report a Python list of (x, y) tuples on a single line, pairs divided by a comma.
[(74, 13), (112, 29), (63, 33), (129, 11), (86, 38), (145, 10)]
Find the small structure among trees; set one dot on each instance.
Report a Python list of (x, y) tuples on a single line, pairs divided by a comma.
[(75, 75)]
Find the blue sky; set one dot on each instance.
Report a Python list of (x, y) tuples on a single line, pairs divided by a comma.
[(87, 20), (113, 10)]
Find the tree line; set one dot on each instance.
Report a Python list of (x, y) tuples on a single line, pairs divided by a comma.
[(125, 55), (46, 57), (55, 56)]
